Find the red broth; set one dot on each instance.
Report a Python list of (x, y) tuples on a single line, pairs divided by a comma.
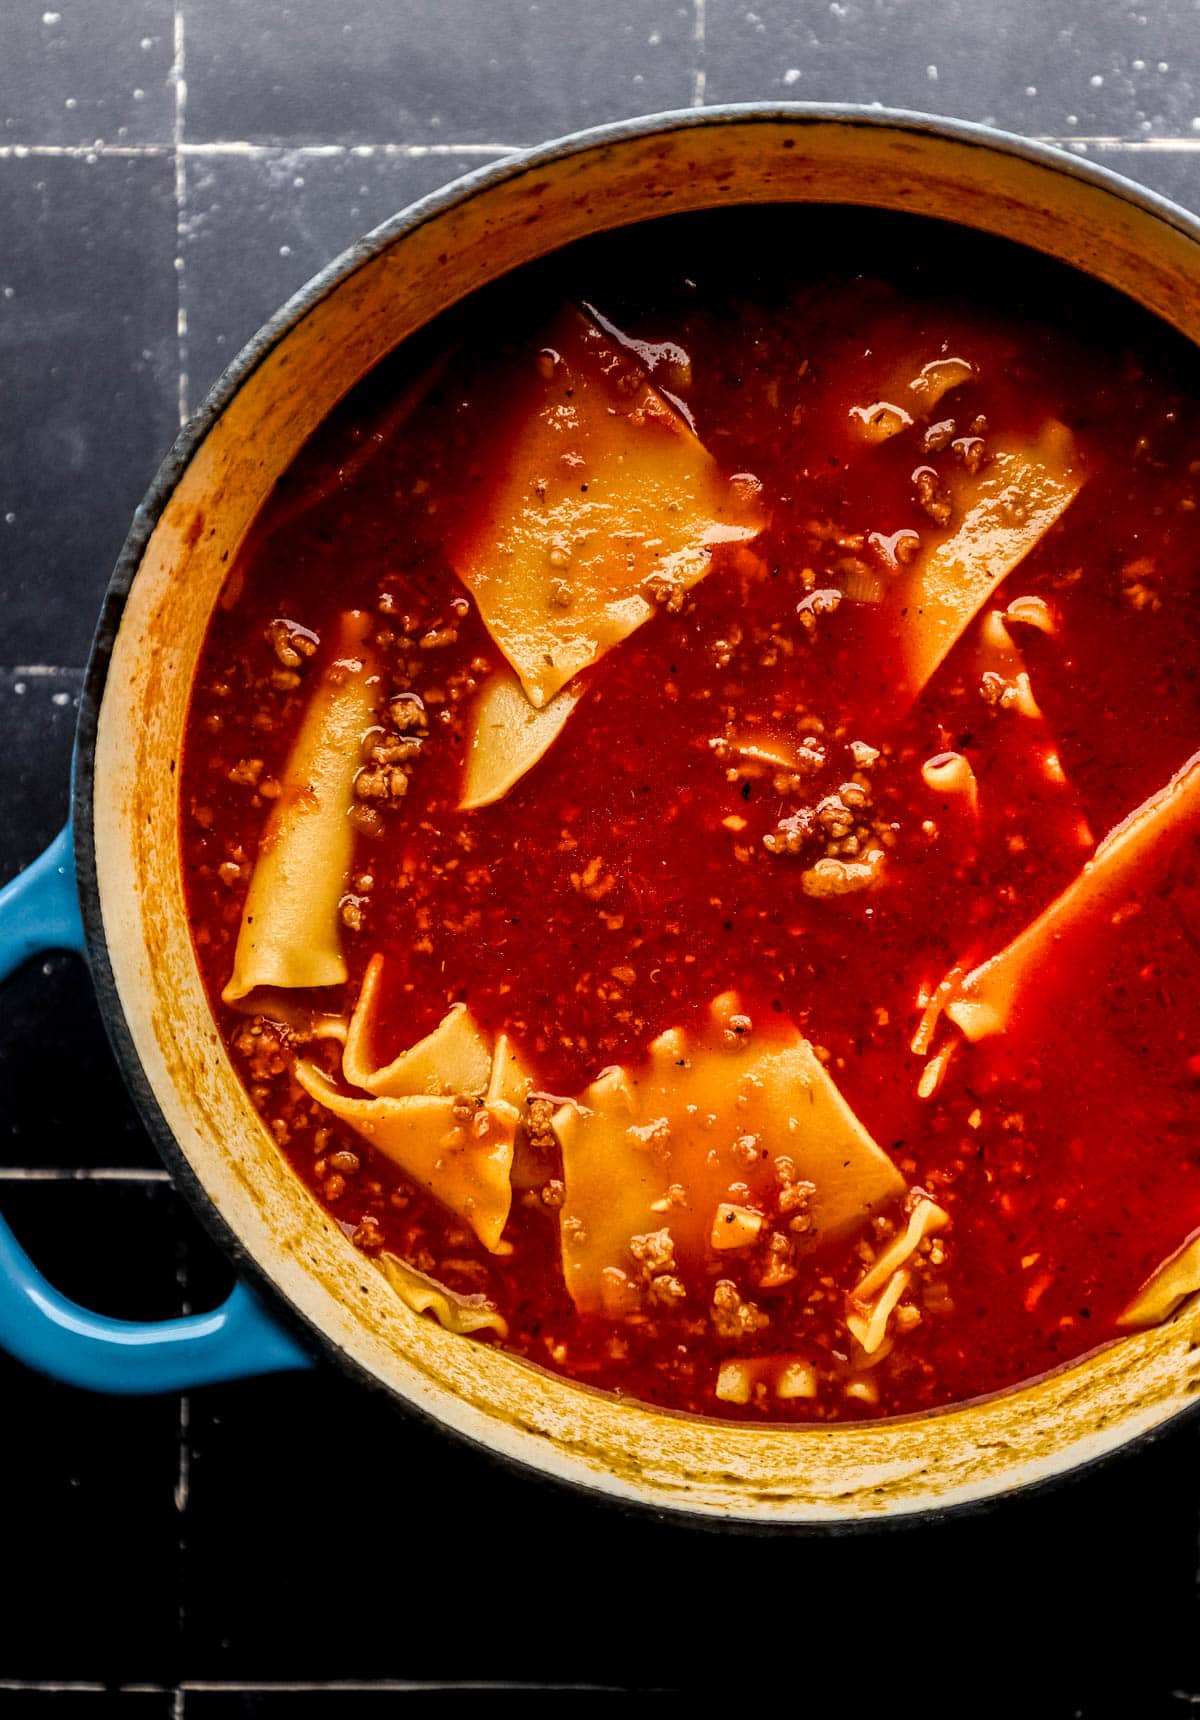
[(639, 870)]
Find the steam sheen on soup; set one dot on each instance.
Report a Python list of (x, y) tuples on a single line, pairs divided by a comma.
[(690, 816)]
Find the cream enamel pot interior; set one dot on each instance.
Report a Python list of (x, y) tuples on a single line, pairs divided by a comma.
[(125, 809)]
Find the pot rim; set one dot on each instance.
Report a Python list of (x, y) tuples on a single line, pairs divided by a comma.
[(146, 518)]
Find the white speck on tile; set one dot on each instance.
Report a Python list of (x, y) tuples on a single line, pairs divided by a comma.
[(51, 17), (1096, 80), (139, 95), (11, 292), (654, 38), (1072, 119), (792, 75), (1195, 127), (18, 686), (1164, 66), (70, 104), (146, 43), (10, 519), (1139, 65), (1031, 89), (60, 699), (931, 74), (285, 250), (298, 182)]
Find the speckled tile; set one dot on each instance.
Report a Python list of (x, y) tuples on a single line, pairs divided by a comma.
[(88, 355), (424, 71), (87, 70), (283, 214), (1048, 67)]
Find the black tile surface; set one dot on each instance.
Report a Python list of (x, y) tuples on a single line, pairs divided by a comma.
[(1053, 67), (284, 214), (79, 74), (252, 1550), (427, 71), (87, 334), (91, 1481)]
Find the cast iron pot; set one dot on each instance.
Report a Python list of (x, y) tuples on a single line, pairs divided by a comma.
[(319, 1295)]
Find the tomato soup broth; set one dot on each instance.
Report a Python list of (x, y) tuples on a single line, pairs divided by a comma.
[(722, 702)]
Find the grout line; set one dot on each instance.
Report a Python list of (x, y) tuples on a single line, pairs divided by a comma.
[(51, 1687), (270, 1687), (265, 151), (266, 1687), (71, 1173), (179, 79), (401, 151), (1180, 144), (699, 42)]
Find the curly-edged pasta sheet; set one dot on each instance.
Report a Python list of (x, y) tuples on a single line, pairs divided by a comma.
[(465, 1315), (446, 1110), (291, 932), (454, 1058), (605, 503), (460, 1149), (984, 1000), (1002, 512), (508, 737), (709, 1128), (1168, 1285)]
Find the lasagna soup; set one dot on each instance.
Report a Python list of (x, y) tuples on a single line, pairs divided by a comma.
[(690, 816)]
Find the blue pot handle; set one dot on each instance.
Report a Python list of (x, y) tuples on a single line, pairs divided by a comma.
[(39, 911)]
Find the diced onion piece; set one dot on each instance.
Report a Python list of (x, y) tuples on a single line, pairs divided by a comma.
[(1170, 1284), (291, 930), (984, 1000), (508, 737), (641, 1137), (925, 1219), (735, 1226), (464, 1161), (863, 1389), (734, 1383), (1002, 512), (605, 502), (796, 1379), (424, 1295)]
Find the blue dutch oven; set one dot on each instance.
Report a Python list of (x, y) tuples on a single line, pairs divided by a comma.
[(114, 895)]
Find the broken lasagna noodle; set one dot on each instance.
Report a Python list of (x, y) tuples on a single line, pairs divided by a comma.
[(643, 810)]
